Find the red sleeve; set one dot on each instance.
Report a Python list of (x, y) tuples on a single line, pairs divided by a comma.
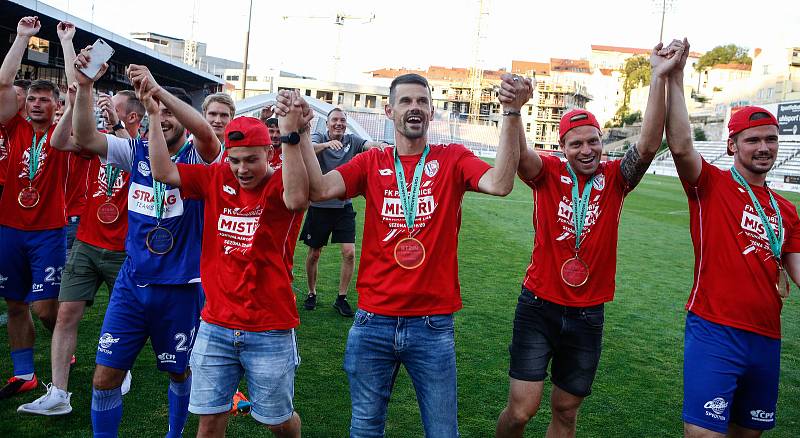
[(195, 179), (791, 242), (707, 174), (470, 167), (354, 173), (549, 162), (12, 124)]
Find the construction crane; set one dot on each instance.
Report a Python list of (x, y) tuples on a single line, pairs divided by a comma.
[(476, 70), (339, 20)]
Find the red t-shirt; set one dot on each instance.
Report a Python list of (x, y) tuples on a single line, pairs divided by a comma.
[(735, 273), (277, 158), (3, 154), (248, 237), (49, 181), (91, 230), (384, 287), (554, 240), (77, 184)]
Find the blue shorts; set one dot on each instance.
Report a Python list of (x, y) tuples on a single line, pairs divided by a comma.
[(729, 375), (168, 314), (31, 263), (267, 360)]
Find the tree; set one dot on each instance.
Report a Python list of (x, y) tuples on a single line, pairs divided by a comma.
[(699, 134), (635, 73), (728, 54)]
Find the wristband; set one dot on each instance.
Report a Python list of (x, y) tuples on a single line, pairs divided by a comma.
[(512, 113)]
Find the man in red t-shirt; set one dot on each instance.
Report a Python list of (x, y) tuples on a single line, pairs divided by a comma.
[(577, 206), (32, 224), (252, 216), (21, 89), (408, 274), (732, 338)]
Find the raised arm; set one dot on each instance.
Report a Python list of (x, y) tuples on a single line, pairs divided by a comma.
[(62, 134), (688, 161), (499, 180), (294, 174), (321, 187), (26, 28), (161, 165), (66, 31), (638, 157), (530, 163), (84, 127), (205, 141)]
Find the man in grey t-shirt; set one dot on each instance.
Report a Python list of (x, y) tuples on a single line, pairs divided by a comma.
[(334, 217)]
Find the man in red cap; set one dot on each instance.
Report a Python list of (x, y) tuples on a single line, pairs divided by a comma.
[(577, 206), (252, 214), (732, 339)]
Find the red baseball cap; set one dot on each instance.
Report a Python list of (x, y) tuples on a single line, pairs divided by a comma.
[(744, 118), (575, 118), (246, 132)]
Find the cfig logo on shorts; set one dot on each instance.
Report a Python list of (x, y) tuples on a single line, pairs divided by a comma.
[(763, 416), (717, 408)]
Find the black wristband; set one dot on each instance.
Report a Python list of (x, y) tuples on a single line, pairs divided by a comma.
[(118, 126), (512, 113)]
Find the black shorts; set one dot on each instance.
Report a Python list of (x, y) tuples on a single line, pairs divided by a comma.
[(323, 222), (571, 336)]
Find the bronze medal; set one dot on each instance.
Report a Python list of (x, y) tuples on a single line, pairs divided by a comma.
[(409, 253), (575, 272), (107, 213), (159, 240), (783, 283), (28, 197)]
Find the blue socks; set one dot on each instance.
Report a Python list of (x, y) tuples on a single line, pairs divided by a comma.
[(23, 363), (106, 412), (178, 406)]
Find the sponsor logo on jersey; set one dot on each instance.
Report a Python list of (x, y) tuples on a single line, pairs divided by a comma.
[(240, 226), (431, 168), (715, 408), (763, 416), (228, 189), (346, 149), (566, 179), (102, 183), (140, 200), (385, 172), (2, 280), (392, 208), (106, 341)]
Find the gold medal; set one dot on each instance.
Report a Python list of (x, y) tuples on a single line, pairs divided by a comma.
[(409, 253), (575, 272), (28, 197), (107, 213)]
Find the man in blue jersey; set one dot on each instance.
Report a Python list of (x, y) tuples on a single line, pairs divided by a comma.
[(157, 294)]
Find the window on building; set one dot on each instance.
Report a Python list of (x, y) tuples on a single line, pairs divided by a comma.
[(445, 105), (371, 101), (770, 92), (232, 78), (252, 78), (340, 99), (527, 127), (530, 112), (357, 100), (308, 93), (766, 69)]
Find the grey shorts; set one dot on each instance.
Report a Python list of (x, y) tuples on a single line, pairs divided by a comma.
[(86, 269)]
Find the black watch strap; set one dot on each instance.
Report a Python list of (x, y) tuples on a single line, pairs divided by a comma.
[(293, 138)]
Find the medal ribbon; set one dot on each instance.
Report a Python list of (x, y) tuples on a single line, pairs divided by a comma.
[(112, 173), (159, 188), (775, 241), (580, 205), (34, 153), (409, 200)]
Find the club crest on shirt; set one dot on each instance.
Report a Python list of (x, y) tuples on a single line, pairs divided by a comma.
[(346, 149), (228, 189), (599, 182), (26, 158), (143, 168), (431, 168)]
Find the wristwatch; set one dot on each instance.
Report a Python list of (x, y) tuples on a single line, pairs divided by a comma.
[(293, 138), (118, 126)]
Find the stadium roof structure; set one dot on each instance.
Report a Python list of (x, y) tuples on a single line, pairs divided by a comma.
[(166, 70)]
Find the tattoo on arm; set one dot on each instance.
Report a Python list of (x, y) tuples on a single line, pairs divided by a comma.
[(633, 167)]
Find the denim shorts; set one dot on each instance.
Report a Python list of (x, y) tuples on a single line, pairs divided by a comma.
[(268, 360), (570, 337)]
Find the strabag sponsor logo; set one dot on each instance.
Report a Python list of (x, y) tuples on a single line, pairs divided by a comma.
[(106, 341), (763, 416), (140, 200), (715, 408)]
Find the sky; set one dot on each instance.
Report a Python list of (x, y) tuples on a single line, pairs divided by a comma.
[(420, 33)]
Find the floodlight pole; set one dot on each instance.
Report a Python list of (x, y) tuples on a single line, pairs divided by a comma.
[(663, 12), (246, 48)]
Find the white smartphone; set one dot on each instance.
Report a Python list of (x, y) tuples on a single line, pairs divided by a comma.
[(100, 53)]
